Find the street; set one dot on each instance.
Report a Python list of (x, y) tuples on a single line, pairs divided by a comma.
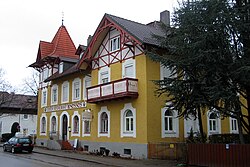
[(39, 160)]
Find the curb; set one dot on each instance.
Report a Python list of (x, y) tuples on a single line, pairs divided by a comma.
[(79, 159)]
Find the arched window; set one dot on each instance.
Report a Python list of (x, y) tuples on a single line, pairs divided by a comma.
[(76, 124), (213, 122), (43, 125), (129, 121), (168, 120), (104, 123), (53, 124)]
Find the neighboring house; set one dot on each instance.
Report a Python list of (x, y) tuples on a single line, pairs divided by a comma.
[(20, 109), (103, 94)]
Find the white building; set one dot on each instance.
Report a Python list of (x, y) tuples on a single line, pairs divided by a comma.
[(18, 110)]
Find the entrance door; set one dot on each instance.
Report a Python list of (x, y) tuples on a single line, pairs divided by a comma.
[(64, 127)]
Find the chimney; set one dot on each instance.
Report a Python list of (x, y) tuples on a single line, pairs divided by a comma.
[(89, 39), (165, 17)]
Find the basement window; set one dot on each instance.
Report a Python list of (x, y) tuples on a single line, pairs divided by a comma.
[(127, 151)]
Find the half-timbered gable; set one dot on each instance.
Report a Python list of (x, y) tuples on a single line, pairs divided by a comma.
[(117, 39)]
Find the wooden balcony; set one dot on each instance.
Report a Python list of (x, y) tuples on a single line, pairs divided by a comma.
[(126, 87)]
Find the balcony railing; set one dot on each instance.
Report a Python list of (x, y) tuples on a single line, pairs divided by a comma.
[(126, 87)]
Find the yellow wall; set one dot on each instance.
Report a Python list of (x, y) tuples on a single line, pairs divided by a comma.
[(148, 107)]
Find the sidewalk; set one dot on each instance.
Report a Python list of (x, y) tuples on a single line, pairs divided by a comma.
[(118, 162)]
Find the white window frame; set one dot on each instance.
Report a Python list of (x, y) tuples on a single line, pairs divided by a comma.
[(44, 97), (104, 109), (60, 68), (66, 84), (45, 74), (41, 125), (74, 89), (73, 133), (165, 72), (217, 122), (124, 133), (84, 133), (127, 63), (233, 125), (56, 125), (85, 81), (103, 71), (175, 121), (53, 101), (191, 123), (115, 43)]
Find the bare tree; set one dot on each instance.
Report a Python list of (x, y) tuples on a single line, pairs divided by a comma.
[(31, 84), (5, 87)]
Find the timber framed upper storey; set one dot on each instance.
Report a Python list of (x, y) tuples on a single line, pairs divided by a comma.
[(117, 39)]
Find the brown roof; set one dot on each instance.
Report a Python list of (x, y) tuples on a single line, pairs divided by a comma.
[(18, 103)]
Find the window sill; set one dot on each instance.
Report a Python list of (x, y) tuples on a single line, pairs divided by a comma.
[(103, 134), (126, 134), (86, 134), (78, 99)]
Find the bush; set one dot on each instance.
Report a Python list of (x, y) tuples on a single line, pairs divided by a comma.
[(227, 138), (6, 137), (195, 137)]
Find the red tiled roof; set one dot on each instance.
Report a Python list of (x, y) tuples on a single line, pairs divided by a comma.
[(61, 46), (45, 48)]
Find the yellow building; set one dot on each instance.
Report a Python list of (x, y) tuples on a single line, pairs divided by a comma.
[(103, 94)]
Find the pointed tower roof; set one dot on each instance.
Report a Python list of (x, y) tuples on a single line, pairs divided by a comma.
[(60, 47), (63, 44)]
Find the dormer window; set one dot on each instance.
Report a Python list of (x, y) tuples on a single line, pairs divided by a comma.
[(115, 44), (60, 67)]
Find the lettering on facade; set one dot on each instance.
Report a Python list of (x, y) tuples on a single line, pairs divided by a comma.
[(65, 107)]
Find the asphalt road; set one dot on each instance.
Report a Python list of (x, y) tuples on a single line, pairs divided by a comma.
[(38, 160)]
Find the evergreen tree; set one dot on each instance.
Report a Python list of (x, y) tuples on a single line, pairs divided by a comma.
[(205, 48)]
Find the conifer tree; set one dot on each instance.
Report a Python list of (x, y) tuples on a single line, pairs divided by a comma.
[(206, 48)]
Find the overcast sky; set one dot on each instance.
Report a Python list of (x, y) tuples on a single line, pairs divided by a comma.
[(23, 23)]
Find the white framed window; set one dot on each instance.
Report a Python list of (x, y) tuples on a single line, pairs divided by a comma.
[(191, 123), (54, 94), (115, 44), (233, 125), (170, 123), (43, 125), (53, 124), (128, 121), (87, 84), (65, 92), (165, 72), (213, 122), (86, 127), (76, 91), (25, 116), (129, 68), (75, 124), (60, 67), (104, 75), (44, 97), (45, 74), (104, 122)]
